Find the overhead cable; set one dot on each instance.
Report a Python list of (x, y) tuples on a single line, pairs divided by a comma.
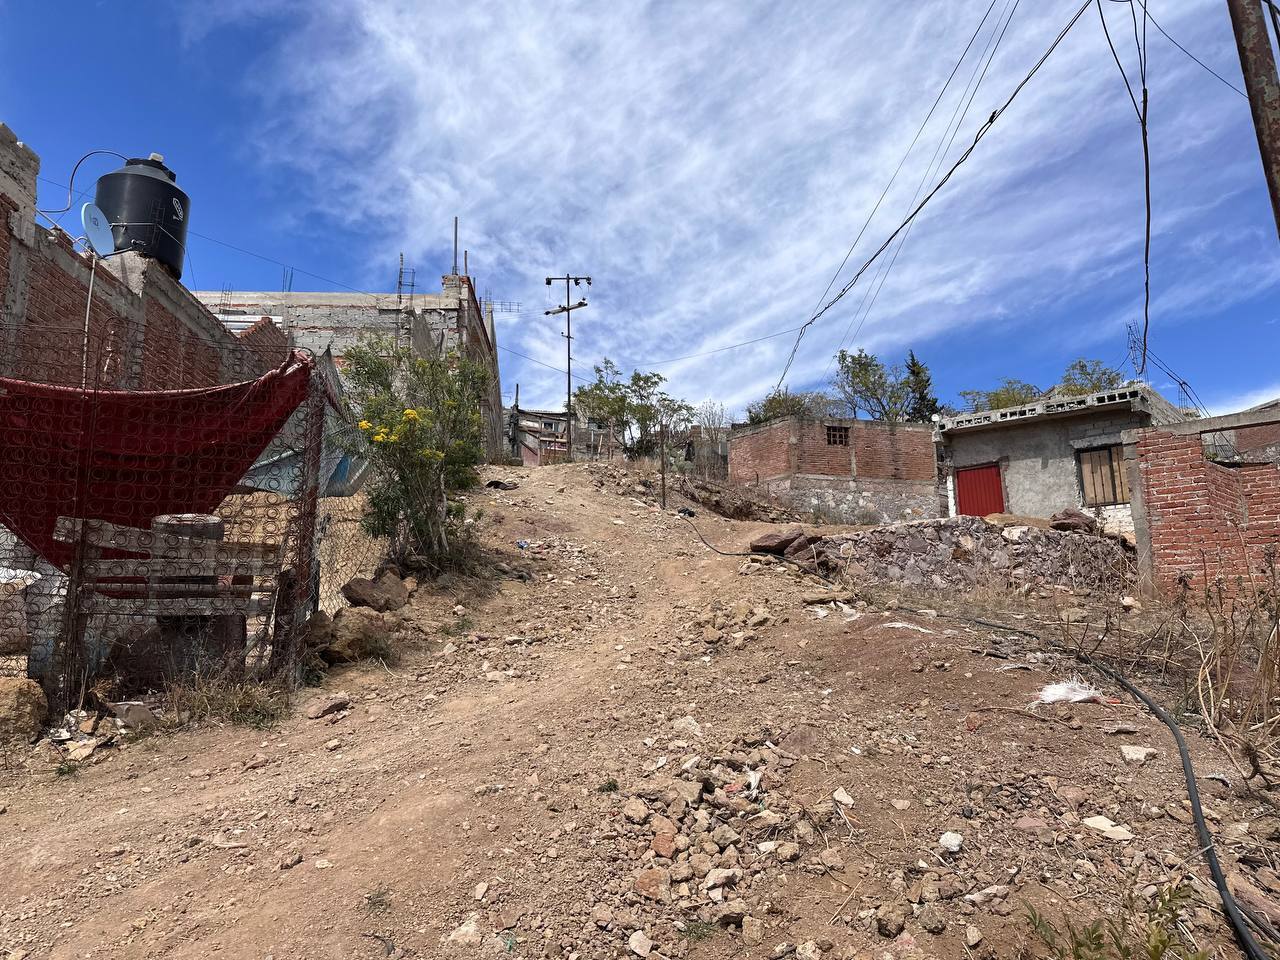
[(1156, 23), (982, 132), (910, 146), (939, 156), (71, 186), (1140, 103)]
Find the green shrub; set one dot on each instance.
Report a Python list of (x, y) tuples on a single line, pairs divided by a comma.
[(421, 428), (1141, 931)]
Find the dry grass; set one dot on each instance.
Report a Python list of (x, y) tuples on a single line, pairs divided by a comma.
[(240, 702), (1237, 647)]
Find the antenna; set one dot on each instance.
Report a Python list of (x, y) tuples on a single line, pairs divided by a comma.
[(97, 230), (455, 246)]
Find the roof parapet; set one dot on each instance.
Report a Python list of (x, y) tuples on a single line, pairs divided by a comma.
[(1136, 397)]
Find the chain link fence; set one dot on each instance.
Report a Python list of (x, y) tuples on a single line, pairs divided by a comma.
[(168, 509)]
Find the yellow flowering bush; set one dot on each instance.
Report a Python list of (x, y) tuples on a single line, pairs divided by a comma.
[(421, 429)]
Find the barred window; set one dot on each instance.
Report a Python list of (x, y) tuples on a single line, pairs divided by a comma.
[(1103, 478), (837, 436)]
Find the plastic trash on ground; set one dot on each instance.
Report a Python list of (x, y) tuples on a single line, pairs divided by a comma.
[(1069, 691)]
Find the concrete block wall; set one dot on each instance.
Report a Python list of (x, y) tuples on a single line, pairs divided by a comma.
[(452, 320), (1199, 521)]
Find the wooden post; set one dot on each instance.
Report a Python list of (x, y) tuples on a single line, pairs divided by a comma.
[(1258, 65), (662, 463)]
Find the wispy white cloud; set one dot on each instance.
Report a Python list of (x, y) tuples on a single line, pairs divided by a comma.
[(710, 164), (1229, 402)]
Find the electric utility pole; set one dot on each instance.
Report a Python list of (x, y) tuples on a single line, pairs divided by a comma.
[(567, 309), (1258, 64)]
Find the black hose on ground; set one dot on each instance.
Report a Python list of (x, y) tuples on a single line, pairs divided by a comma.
[(1248, 944), (755, 553)]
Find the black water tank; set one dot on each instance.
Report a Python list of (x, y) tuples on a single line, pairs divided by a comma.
[(147, 211)]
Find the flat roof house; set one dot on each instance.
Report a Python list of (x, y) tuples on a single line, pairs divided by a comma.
[(1037, 458)]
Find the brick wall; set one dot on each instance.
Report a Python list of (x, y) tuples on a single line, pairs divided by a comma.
[(267, 342), (815, 456), (886, 469), (1203, 521), (894, 451), (760, 453), (1262, 438), (883, 451), (145, 330)]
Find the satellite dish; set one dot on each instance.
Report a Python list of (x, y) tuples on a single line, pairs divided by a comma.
[(97, 230)]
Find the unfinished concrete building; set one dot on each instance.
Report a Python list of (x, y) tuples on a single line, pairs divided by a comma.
[(452, 320), (1055, 452)]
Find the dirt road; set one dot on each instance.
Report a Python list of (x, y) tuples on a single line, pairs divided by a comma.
[(642, 751)]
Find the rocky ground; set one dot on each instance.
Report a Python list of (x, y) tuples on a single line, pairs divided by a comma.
[(633, 747)]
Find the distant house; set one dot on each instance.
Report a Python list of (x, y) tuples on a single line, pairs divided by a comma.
[(1039, 457), (539, 437)]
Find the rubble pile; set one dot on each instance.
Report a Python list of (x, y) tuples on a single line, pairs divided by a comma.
[(717, 843), (734, 622), (962, 552)]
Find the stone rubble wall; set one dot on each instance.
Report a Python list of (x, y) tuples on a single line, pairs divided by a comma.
[(962, 552), (860, 499)]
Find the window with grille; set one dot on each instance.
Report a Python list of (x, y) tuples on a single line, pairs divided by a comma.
[(837, 436), (1103, 478)]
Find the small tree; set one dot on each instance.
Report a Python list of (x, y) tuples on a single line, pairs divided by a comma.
[(636, 409), (420, 427), (1089, 376), (924, 405), (651, 409), (1010, 393), (605, 400), (784, 403), (893, 393), (711, 418)]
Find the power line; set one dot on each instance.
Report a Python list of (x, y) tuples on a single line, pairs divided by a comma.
[(982, 132), (910, 147), (1167, 36), (953, 125), (707, 353), (885, 192), (1140, 43), (549, 366)]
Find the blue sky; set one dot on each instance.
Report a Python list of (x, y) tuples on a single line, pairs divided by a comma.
[(708, 164)]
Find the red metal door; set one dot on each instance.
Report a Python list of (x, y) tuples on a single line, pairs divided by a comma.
[(978, 491)]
